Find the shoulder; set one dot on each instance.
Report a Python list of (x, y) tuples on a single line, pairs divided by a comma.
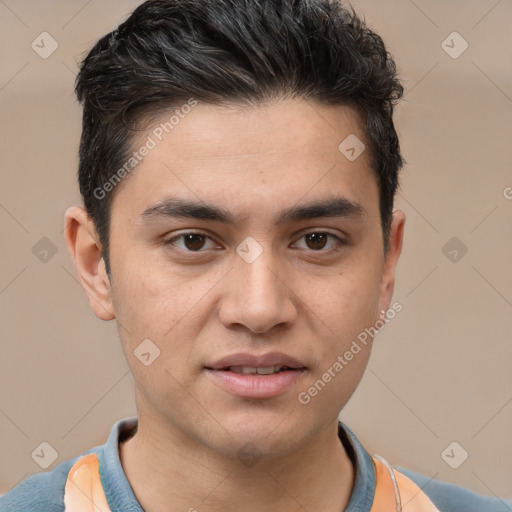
[(43, 491), (453, 498)]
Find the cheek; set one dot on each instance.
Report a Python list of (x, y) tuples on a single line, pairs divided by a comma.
[(149, 300), (157, 335), (343, 311), (151, 304), (144, 306), (345, 304)]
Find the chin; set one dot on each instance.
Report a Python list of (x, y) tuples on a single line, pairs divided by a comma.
[(271, 432)]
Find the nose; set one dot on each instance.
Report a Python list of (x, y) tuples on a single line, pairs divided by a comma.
[(256, 297)]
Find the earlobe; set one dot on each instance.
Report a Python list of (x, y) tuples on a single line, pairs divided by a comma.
[(396, 236), (83, 244)]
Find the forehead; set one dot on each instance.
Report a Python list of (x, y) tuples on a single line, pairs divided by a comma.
[(280, 153), (282, 127)]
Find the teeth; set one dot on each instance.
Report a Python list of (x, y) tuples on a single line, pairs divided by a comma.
[(267, 371), (248, 370)]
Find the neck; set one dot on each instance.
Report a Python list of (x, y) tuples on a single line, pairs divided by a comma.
[(168, 475)]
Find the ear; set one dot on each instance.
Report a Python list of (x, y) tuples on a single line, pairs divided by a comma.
[(387, 282), (83, 244)]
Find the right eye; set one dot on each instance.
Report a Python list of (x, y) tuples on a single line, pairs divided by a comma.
[(190, 242)]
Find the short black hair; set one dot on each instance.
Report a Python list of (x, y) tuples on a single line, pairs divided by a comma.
[(231, 52)]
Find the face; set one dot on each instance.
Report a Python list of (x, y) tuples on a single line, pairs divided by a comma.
[(245, 239)]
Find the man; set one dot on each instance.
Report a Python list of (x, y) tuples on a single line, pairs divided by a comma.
[(238, 166)]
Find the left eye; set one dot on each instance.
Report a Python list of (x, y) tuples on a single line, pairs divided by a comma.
[(318, 240)]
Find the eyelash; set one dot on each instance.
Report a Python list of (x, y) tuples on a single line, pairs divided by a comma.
[(169, 242)]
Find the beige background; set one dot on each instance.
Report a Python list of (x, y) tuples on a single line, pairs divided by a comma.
[(440, 371)]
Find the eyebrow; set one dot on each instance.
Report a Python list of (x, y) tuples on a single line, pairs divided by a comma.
[(339, 207)]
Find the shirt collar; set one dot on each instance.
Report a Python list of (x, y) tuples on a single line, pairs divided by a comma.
[(120, 494)]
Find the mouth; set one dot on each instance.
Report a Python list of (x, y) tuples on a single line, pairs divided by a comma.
[(256, 382), (251, 370)]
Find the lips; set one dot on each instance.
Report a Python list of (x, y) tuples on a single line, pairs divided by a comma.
[(256, 376)]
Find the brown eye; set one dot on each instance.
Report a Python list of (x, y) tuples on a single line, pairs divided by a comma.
[(316, 241), (191, 242), (319, 241)]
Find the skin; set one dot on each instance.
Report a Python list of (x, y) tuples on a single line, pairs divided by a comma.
[(304, 299)]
